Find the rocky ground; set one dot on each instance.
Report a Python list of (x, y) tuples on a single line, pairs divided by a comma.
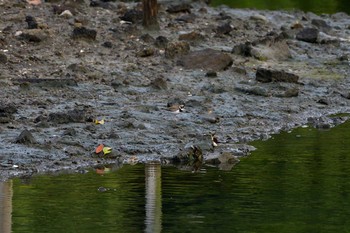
[(77, 74)]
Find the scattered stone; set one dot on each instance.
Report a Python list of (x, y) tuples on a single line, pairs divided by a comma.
[(225, 161), (243, 49), (107, 44), (321, 25), (239, 70), (259, 17), (175, 49), (343, 58), (211, 118), (31, 21), (132, 16), (223, 16), (224, 29), (291, 92), (147, 38), (323, 101), (66, 14), (70, 132), (6, 113), (103, 4), (278, 51), (190, 154), (267, 75), (32, 35), (145, 52), (73, 116), (59, 9), (254, 90), (84, 33), (187, 18), (175, 101), (25, 137), (308, 35), (46, 82), (346, 95), (207, 59), (159, 83), (271, 47), (182, 7), (3, 58), (211, 74), (161, 42), (324, 38), (191, 36)]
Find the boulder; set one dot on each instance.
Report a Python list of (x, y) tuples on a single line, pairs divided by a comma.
[(268, 75), (207, 59), (308, 35), (33, 35), (321, 25), (25, 137), (177, 8), (84, 33), (175, 49)]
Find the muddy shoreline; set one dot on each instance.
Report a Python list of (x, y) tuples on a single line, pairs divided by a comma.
[(205, 84)]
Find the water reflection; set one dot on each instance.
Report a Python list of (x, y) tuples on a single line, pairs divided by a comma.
[(153, 195), (5, 206), (296, 182)]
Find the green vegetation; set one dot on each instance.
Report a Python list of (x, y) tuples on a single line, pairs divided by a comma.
[(316, 6)]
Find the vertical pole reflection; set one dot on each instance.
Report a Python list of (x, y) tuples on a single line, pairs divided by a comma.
[(153, 197), (5, 206)]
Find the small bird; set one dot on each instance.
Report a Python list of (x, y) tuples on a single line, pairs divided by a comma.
[(176, 108)]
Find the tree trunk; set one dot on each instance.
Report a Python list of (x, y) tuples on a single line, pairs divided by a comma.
[(150, 10)]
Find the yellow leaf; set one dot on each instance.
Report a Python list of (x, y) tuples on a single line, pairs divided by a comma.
[(99, 122), (106, 150)]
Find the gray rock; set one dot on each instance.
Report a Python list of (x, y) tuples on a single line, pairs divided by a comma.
[(25, 137), (6, 113), (207, 59), (273, 46), (33, 35), (3, 58), (84, 33), (225, 29), (177, 8), (321, 25), (161, 42), (267, 75), (175, 49), (187, 18), (308, 35), (255, 90), (73, 116), (145, 52), (159, 83), (191, 36), (132, 16)]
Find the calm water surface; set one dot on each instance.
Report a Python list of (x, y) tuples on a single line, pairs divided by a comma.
[(295, 182), (316, 6)]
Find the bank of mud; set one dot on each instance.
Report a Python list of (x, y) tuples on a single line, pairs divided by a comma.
[(208, 82)]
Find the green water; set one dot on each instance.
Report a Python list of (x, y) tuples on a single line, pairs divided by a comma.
[(295, 182), (316, 6)]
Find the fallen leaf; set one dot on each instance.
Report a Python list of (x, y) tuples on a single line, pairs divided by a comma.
[(34, 2), (99, 149), (99, 122), (106, 150)]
